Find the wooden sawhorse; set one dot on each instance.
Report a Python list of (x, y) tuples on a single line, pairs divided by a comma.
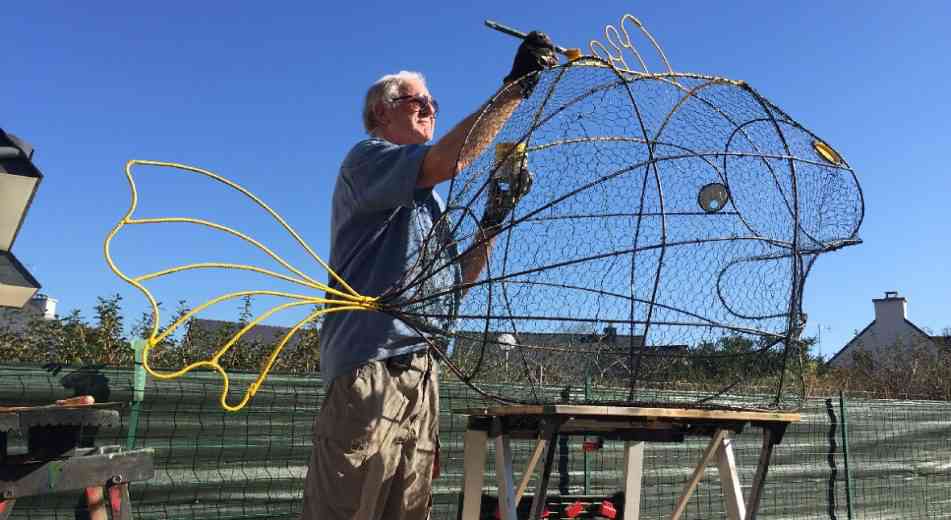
[(634, 426)]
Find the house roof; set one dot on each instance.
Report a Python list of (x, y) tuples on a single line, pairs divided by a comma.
[(566, 339), (849, 344), (938, 340), (270, 334), (263, 334)]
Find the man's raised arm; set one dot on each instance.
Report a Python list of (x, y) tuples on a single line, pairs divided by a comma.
[(447, 158)]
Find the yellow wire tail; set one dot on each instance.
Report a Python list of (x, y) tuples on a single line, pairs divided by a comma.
[(331, 300), (256, 385)]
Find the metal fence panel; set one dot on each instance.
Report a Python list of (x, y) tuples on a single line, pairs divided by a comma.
[(214, 465)]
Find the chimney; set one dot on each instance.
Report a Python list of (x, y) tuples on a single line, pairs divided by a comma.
[(891, 309), (44, 305), (610, 334), (891, 327)]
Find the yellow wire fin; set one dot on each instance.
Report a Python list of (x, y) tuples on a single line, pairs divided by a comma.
[(621, 43), (327, 299)]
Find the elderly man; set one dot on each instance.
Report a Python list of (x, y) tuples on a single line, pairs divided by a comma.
[(376, 438)]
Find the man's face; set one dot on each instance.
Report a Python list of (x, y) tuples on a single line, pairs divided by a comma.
[(411, 119)]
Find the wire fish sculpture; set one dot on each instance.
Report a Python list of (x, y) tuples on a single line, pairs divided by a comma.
[(661, 255), (658, 260)]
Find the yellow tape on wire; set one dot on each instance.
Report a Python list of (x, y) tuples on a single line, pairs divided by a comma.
[(344, 299)]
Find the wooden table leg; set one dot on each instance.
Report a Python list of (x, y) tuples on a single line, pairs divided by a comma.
[(730, 481), (766, 452), (473, 473), (505, 477), (532, 464), (697, 474), (633, 472), (549, 435)]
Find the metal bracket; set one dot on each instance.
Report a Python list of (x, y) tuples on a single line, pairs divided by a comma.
[(107, 465)]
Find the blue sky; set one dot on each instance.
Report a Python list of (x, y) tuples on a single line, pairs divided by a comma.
[(269, 95)]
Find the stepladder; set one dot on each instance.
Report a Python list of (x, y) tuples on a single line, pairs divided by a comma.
[(635, 427)]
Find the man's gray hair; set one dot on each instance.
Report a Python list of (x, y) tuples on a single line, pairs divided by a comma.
[(383, 91)]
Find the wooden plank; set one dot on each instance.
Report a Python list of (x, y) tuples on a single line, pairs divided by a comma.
[(697, 474), (550, 434), (633, 473), (762, 467), (630, 411), (505, 477), (473, 474), (527, 428), (532, 462), (613, 425), (730, 481)]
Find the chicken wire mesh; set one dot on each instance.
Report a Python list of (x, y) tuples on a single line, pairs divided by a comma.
[(665, 242), (664, 245)]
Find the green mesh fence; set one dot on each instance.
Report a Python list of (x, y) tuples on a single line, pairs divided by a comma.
[(215, 465)]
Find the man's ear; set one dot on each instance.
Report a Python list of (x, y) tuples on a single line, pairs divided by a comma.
[(381, 115)]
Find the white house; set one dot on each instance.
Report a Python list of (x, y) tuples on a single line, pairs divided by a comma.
[(890, 329), (39, 306)]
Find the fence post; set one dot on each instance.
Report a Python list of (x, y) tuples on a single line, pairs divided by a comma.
[(138, 390), (587, 399), (564, 454), (845, 453)]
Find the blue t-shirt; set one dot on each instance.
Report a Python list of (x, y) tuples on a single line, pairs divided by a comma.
[(382, 238)]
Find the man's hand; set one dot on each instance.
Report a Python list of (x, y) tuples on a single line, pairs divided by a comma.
[(535, 54), (502, 199)]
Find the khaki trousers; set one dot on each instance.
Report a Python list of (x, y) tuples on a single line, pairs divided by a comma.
[(375, 441)]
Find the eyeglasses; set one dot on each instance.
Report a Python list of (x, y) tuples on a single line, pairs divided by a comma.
[(420, 103)]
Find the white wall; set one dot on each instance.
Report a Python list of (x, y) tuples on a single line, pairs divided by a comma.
[(40, 306), (891, 329)]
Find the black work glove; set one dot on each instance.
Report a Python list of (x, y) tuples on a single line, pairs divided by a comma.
[(504, 194), (535, 54)]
